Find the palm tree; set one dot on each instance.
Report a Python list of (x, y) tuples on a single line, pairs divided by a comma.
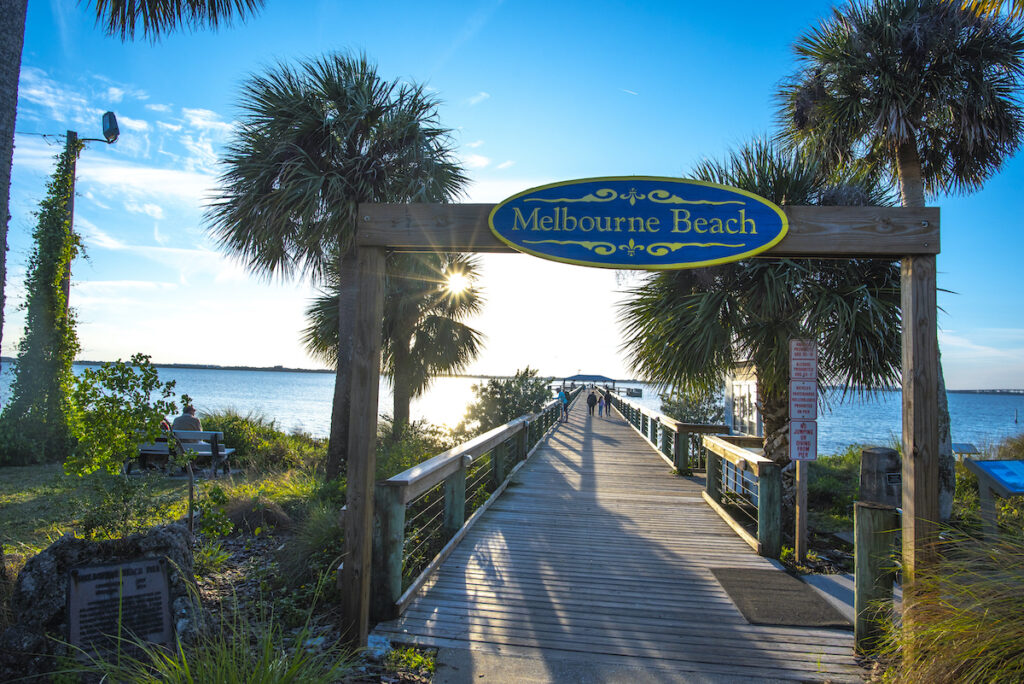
[(312, 143), (426, 299), (688, 328), (1014, 8), (118, 17), (924, 88)]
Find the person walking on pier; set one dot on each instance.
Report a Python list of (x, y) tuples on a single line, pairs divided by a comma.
[(600, 406), (591, 402), (565, 404)]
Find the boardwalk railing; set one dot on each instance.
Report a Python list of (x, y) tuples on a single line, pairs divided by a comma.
[(746, 490), (421, 513), (680, 443)]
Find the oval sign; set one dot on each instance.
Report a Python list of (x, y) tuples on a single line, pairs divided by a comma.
[(639, 222)]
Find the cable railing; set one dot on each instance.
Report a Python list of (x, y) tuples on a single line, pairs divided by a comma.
[(679, 443), (423, 512), (745, 488)]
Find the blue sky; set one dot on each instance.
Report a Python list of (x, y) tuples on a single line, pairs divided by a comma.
[(534, 92)]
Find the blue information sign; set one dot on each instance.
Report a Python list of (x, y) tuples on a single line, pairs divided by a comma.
[(639, 222)]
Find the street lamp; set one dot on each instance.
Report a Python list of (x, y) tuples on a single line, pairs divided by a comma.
[(110, 135)]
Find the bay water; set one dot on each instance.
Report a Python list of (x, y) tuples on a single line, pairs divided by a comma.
[(302, 401)]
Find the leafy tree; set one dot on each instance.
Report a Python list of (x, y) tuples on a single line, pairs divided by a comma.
[(503, 399), (694, 406), (117, 407), (923, 88), (688, 328), (312, 143), (423, 333), (118, 17), (36, 423)]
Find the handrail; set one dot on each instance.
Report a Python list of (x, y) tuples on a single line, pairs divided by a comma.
[(675, 440), (734, 451), (440, 483)]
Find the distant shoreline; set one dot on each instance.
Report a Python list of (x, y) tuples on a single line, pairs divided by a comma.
[(284, 369)]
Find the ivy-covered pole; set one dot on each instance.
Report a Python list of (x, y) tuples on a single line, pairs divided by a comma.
[(35, 424), (70, 146)]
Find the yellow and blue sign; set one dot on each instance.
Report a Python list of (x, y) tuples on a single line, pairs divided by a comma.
[(639, 222)]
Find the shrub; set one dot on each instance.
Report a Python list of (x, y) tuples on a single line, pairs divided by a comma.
[(832, 487), (694, 406), (419, 441), (118, 506), (117, 407), (501, 400), (260, 445)]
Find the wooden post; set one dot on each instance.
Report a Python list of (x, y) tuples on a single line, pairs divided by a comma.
[(498, 457), (388, 550), (874, 529), (769, 509), (362, 443), (801, 511), (920, 411), (454, 503), (682, 453)]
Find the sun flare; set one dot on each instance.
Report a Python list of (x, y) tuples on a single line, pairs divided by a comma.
[(457, 282)]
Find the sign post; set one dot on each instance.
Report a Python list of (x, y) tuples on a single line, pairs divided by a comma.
[(803, 427)]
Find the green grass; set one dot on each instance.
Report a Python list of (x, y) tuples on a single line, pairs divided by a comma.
[(832, 487)]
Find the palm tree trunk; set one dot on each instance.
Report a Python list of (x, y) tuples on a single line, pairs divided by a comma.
[(912, 194), (775, 420), (402, 396), (12, 38), (348, 288)]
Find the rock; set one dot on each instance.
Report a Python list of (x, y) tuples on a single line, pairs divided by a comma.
[(39, 599)]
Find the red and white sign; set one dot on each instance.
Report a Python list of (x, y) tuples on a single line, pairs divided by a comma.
[(803, 440), (803, 360), (803, 400)]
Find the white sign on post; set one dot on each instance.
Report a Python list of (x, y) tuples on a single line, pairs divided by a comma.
[(803, 440), (803, 399), (803, 360)]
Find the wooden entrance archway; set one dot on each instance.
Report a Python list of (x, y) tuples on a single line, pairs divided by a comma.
[(908, 234)]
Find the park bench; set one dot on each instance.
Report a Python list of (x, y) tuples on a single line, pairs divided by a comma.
[(201, 443)]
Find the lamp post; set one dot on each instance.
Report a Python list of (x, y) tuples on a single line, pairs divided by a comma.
[(110, 135)]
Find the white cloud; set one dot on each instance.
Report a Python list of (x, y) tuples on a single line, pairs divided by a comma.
[(505, 164), (475, 144), (476, 161), (158, 107), (159, 237), (62, 104), (164, 126), (478, 98), (203, 157), (133, 124), (148, 208), (629, 92), (115, 95), (207, 121)]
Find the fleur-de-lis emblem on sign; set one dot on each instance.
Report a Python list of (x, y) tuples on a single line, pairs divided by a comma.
[(633, 196), (632, 247)]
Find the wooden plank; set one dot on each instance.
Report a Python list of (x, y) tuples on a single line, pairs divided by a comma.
[(830, 232), (736, 527), (920, 411), (362, 444)]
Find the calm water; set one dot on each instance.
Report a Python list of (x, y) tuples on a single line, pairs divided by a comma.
[(303, 401)]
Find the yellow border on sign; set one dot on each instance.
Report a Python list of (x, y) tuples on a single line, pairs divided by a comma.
[(784, 229)]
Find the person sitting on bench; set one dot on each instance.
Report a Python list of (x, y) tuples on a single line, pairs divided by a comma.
[(187, 421)]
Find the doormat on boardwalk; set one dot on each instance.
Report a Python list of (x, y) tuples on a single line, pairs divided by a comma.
[(772, 597)]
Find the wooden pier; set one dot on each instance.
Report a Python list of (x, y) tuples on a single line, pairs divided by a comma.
[(597, 551)]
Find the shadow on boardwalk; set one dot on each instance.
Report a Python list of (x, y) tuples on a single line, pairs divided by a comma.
[(598, 555)]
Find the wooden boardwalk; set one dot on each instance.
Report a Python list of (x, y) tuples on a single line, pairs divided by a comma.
[(596, 550)]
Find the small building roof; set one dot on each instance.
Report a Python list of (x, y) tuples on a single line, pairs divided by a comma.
[(590, 378)]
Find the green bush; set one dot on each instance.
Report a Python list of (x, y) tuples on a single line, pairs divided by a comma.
[(419, 441), (260, 445), (500, 400), (117, 506), (316, 548), (832, 488)]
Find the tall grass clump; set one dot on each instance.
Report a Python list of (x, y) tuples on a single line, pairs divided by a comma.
[(965, 620), (241, 651), (419, 441)]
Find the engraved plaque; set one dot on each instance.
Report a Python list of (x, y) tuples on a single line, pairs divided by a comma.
[(126, 600)]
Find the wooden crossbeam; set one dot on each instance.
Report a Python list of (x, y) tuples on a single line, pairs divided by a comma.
[(813, 231)]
